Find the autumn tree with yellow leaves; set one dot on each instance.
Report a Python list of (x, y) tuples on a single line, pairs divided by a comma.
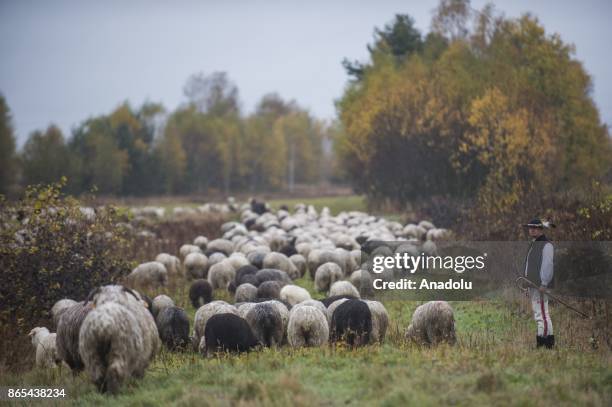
[(483, 106)]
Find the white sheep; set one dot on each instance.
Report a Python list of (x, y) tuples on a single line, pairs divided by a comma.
[(312, 303), (380, 321), (300, 264), (362, 280), (159, 303), (172, 264), (185, 249), (46, 349), (221, 274), (343, 288), (151, 274), (432, 323), (294, 294), (307, 326), (220, 245), (196, 265), (245, 292), (279, 261), (201, 242), (326, 275), (118, 338)]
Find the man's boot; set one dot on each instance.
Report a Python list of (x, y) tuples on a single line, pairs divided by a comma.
[(549, 341), (540, 341)]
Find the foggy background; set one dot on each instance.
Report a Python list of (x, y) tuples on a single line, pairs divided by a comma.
[(63, 61)]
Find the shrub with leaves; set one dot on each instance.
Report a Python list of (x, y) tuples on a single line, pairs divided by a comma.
[(52, 248)]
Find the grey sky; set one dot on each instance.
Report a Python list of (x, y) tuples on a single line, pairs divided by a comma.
[(62, 61)]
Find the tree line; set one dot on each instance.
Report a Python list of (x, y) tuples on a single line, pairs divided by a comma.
[(483, 108), (207, 144)]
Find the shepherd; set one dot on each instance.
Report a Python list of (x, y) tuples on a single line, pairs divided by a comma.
[(539, 270)]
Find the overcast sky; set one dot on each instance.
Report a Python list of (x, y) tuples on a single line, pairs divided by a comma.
[(63, 61)]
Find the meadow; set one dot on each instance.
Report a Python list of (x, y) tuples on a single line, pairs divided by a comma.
[(494, 363)]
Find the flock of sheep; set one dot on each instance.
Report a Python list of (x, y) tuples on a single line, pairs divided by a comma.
[(116, 332)]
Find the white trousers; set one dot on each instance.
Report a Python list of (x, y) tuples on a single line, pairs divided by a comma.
[(539, 305)]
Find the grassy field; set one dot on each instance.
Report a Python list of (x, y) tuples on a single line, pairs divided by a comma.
[(494, 363)]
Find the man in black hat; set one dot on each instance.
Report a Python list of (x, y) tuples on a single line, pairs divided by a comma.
[(539, 270)]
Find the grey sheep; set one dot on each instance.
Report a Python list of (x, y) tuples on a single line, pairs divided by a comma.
[(272, 275), (269, 289), (221, 274), (68, 329), (432, 323), (245, 292), (326, 275), (307, 327), (58, 309), (173, 327), (266, 323), (118, 338)]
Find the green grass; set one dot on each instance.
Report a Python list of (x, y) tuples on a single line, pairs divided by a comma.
[(494, 362)]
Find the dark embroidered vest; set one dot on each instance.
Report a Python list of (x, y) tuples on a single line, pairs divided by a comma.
[(534, 260)]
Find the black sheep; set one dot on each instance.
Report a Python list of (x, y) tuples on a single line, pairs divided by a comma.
[(149, 302), (200, 293), (289, 248), (258, 207), (329, 300), (173, 327), (269, 289), (256, 258), (272, 275), (228, 332), (352, 322), (243, 272)]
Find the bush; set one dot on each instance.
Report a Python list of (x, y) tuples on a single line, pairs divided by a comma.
[(583, 214), (52, 248)]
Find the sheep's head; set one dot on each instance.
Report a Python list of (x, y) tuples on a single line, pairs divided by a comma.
[(37, 334)]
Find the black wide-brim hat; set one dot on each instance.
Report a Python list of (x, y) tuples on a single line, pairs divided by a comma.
[(537, 223), (534, 223)]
